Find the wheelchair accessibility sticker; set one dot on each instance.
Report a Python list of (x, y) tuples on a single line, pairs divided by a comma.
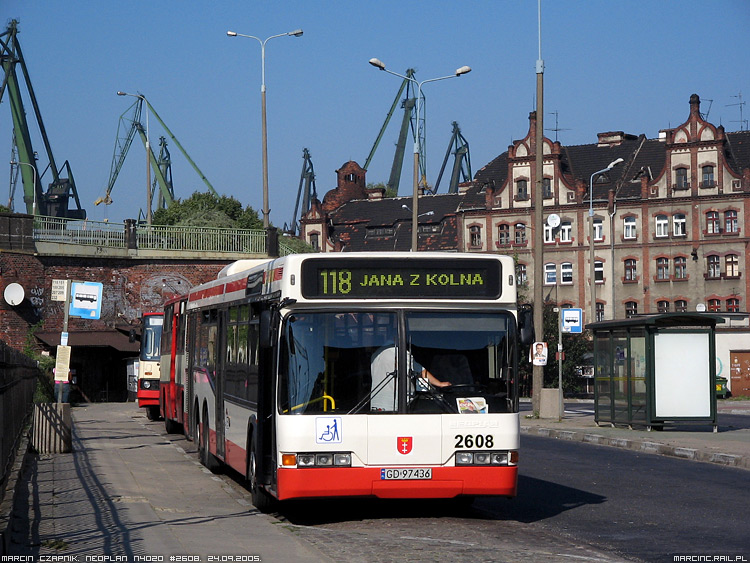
[(328, 430)]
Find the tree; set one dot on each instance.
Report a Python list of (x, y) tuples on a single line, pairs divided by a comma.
[(207, 210), (389, 192)]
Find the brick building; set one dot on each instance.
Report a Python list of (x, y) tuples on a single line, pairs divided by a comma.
[(670, 223)]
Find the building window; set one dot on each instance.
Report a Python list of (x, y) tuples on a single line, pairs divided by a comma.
[(680, 268), (680, 306), (662, 306), (662, 226), (503, 234), (714, 266), (599, 271), (629, 228), (566, 273), (599, 312), (522, 189), (520, 233), (566, 232), (733, 305), (708, 177), (714, 305), (550, 274), (475, 236), (631, 308), (598, 230), (732, 266), (549, 233), (679, 225), (713, 226), (521, 276), (730, 221), (315, 241), (631, 273), (662, 268), (546, 188), (681, 179)]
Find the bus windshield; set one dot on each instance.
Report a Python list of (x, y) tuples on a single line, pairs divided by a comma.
[(150, 343), (361, 362)]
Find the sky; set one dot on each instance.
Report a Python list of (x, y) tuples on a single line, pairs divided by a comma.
[(629, 66)]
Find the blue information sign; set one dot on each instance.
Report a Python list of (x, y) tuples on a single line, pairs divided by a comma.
[(572, 321), (85, 300)]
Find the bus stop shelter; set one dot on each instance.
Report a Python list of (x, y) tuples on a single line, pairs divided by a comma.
[(653, 369)]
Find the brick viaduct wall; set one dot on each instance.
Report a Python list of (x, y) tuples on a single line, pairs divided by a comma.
[(130, 288)]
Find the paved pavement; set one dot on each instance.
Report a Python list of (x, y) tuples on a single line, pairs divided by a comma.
[(125, 493), (130, 494), (730, 445)]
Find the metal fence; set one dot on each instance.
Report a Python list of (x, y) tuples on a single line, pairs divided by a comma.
[(18, 375), (152, 237)]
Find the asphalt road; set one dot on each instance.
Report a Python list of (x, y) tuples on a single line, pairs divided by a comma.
[(576, 501)]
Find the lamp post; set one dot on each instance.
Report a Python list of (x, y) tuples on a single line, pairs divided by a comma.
[(15, 162), (264, 132), (377, 63), (149, 195), (592, 273)]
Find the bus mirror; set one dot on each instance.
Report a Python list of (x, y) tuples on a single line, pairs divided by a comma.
[(131, 336), (526, 325), (265, 328)]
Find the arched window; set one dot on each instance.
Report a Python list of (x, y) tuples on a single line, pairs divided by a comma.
[(662, 268), (631, 273), (546, 188), (631, 308), (730, 221), (520, 233), (662, 306), (732, 266), (713, 226), (503, 234), (566, 273), (707, 173), (662, 226), (680, 268), (681, 179), (680, 306), (733, 305), (714, 305), (629, 228), (566, 232), (550, 274), (522, 189), (475, 236), (679, 225), (714, 266)]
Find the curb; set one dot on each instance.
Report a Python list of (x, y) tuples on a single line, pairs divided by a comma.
[(644, 446)]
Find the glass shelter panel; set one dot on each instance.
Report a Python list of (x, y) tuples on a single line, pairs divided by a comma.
[(603, 376), (637, 376)]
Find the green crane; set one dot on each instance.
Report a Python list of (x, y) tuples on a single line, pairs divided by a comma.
[(130, 124), (55, 202)]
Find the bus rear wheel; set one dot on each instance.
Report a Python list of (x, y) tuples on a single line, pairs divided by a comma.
[(152, 412), (207, 458)]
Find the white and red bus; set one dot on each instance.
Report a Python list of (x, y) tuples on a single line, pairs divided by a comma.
[(148, 364), (384, 375), (172, 389)]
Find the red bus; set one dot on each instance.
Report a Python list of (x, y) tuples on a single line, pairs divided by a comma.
[(172, 401), (149, 363)]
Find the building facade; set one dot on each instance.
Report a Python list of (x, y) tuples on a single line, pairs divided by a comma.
[(670, 222)]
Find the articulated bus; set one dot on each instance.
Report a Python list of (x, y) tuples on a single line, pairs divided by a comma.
[(385, 375), (148, 365)]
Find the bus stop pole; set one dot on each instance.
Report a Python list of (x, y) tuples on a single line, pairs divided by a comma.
[(560, 360)]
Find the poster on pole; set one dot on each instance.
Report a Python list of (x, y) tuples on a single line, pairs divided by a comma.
[(538, 354), (62, 363), (86, 300)]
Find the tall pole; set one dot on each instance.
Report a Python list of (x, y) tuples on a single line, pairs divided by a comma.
[(538, 371), (264, 128), (377, 63)]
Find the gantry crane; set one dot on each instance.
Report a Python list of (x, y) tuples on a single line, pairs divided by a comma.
[(55, 202), (307, 192), (459, 147), (129, 124)]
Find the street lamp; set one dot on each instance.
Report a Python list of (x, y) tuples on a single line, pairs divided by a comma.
[(377, 63), (592, 273), (295, 33), (14, 163), (427, 214), (149, 195)]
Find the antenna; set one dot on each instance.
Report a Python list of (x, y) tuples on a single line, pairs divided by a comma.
[(705, 115), (556, 128), (742, 121)]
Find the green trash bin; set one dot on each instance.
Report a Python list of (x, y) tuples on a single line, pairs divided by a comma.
[(721, 388)]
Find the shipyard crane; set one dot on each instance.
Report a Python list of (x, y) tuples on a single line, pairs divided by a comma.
[(55, 202), (459, 147), (130, 124), (409, 119), (307, 192)]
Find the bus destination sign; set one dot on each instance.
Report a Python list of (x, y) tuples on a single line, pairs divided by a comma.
[(412, 278)]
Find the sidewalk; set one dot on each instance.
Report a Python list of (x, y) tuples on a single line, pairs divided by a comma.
[(695, 441), (127, 491)]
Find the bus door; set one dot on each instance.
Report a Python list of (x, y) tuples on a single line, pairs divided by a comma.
[(190, 361), (219, 382)]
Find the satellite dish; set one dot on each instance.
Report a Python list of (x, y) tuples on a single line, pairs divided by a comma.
[(14, 294), (700, 307), (553, 220)]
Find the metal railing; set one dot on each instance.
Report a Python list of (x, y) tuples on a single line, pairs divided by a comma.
[(153, 237)]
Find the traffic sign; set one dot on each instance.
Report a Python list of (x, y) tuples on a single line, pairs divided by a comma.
[(572, 321), (86, 300)]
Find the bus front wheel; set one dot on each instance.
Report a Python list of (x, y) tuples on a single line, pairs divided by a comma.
[(206, 457), (263, 501)]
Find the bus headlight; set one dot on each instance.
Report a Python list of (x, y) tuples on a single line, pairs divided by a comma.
[(325, 459), (149, 384), (487, 458)]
